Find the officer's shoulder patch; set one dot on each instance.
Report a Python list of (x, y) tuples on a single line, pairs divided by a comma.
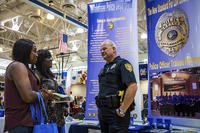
[(128, 67)]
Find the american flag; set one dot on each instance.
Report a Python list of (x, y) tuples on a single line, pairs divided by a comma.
[(62, 44)]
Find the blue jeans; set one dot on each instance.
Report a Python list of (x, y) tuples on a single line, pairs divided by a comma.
[(21, 129)]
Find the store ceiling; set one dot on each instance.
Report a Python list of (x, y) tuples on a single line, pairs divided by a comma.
[(33, 23)]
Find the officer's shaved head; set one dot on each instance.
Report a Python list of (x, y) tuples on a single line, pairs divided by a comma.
[(109, 42), (108, 50)]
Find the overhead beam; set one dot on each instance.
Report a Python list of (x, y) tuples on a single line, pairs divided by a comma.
[(56, 12)]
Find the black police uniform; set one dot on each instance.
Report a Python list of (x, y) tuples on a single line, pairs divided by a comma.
[(112, 78)]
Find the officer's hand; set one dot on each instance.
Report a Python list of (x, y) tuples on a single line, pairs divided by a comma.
[(120, 112)]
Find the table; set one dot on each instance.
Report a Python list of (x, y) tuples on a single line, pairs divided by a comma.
[(76, 128), (95, 128), (137, 128), (68, 124)]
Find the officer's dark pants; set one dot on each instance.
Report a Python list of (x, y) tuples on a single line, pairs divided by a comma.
[(110, 122)]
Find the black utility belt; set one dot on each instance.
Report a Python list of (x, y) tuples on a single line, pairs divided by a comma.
[(111, 101)]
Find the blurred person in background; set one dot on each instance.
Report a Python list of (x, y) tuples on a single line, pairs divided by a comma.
[(71, 97)]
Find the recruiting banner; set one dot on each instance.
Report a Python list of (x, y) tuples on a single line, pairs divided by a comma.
[(117, 21), (174, 60)]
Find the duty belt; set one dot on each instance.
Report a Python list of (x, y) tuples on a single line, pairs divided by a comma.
[(111, 101)]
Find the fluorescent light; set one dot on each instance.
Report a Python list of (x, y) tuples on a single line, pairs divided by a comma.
[(1, 49), (145, 60), (50, 16), (15, 25), (79, 30), (74, 47), (143, 36)]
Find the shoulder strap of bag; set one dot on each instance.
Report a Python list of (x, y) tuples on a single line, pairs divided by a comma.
[(42, 107)]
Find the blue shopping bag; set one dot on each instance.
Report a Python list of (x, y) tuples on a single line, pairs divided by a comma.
[(37, 110), (45, 128)]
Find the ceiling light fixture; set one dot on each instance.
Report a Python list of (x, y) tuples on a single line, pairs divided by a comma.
[(68, 4), (1, 49), (51, 3), (74, 47), (79, 30), (143, 36), (15, 25), (145, 60), (50, 16)]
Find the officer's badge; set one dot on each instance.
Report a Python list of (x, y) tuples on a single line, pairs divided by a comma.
[(171, 32), (110, 25), (128, 67), (113, 66)]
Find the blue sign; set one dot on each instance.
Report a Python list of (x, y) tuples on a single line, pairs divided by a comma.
[(173, 34), (173, 57), (114, 20)]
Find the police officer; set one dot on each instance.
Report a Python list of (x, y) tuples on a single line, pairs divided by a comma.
[(117, 89)]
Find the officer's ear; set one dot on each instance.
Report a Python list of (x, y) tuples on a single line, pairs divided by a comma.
[(114, 47)]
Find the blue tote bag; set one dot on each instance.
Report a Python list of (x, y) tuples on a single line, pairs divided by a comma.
[(38, 118)]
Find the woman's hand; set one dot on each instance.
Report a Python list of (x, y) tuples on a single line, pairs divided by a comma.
[(47, 94)]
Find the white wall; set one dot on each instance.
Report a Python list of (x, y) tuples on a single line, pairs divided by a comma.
[(78, 90)]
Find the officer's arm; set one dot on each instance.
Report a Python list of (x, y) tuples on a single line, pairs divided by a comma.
[(129, 96)]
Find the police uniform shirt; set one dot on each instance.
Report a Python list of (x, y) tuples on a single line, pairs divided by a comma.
[(115, 76)]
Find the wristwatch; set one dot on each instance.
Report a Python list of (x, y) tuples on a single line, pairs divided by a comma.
[(121, 112)]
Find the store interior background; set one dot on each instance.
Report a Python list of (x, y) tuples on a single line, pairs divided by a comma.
[(22, 18)]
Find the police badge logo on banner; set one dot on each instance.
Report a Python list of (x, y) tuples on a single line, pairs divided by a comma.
[(171, 32)]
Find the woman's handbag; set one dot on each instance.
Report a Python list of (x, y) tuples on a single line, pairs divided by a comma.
[(37, 111)]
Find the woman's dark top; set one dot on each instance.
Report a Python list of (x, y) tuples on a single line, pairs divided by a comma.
[(55, 111), (17, 112)]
